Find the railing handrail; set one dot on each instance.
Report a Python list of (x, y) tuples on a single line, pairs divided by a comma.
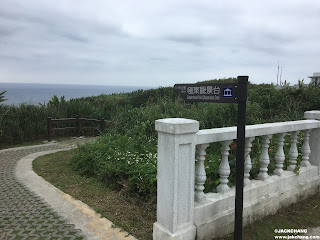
[(58, 120), (230, 133), (78, 127)]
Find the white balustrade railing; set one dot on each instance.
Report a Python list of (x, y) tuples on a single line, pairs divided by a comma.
[(224, 168), (266, 131), (200, 171), (264, 158), (293, 152), (247, 163), (178, 139), (280, 157), (305, 149)]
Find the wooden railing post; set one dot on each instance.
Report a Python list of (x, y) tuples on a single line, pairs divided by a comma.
[(49, 124), (102, 124), (77, 126)]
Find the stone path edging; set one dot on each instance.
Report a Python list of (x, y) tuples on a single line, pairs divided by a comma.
[(93, 226)]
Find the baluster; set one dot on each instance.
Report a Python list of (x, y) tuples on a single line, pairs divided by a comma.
[(200, 172), (248, 164), (224, 169), (264, 158), (293, 152), (280, 157), (305, 149)]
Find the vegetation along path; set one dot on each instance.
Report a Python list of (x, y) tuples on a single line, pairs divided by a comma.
[(23, 214)]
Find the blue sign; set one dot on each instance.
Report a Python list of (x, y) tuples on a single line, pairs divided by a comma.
[(227, 92)]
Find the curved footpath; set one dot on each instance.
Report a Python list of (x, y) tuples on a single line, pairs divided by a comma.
[(31, 208)]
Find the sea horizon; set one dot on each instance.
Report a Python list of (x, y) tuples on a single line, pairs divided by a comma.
[(42, 93)]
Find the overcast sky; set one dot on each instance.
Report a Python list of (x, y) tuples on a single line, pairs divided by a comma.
[(157, 43)]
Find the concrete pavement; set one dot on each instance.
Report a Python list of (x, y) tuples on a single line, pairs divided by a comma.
[(31, 208)]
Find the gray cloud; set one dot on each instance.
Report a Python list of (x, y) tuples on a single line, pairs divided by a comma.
[(130, 43), (65, 34), (189, 39), (5, 32)]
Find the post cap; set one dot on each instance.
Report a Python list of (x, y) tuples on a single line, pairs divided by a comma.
[(177, 125), (315, 114)]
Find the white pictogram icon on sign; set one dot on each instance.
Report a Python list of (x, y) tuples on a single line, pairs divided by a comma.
[(227, 92)]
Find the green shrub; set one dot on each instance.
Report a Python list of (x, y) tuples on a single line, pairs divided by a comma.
[(118, 160)]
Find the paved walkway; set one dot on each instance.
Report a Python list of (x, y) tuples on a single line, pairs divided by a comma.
[(25, 215)]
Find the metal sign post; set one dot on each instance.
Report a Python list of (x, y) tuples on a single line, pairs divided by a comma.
[(241, 124), (226, 93)]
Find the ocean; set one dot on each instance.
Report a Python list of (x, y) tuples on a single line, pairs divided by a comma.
[(33, 93)]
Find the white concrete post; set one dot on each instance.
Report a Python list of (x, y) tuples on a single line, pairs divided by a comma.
[(280, 157), (293, 152), (264, 158), (224, 168), (247, 163), (175, 179), (201, 176), (305, 150), (314, 141)]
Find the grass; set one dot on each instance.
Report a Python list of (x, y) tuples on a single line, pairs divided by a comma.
[(126, 212), (137, 217), (302, 215)]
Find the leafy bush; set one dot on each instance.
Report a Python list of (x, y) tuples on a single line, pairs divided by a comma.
[(118, 160)]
